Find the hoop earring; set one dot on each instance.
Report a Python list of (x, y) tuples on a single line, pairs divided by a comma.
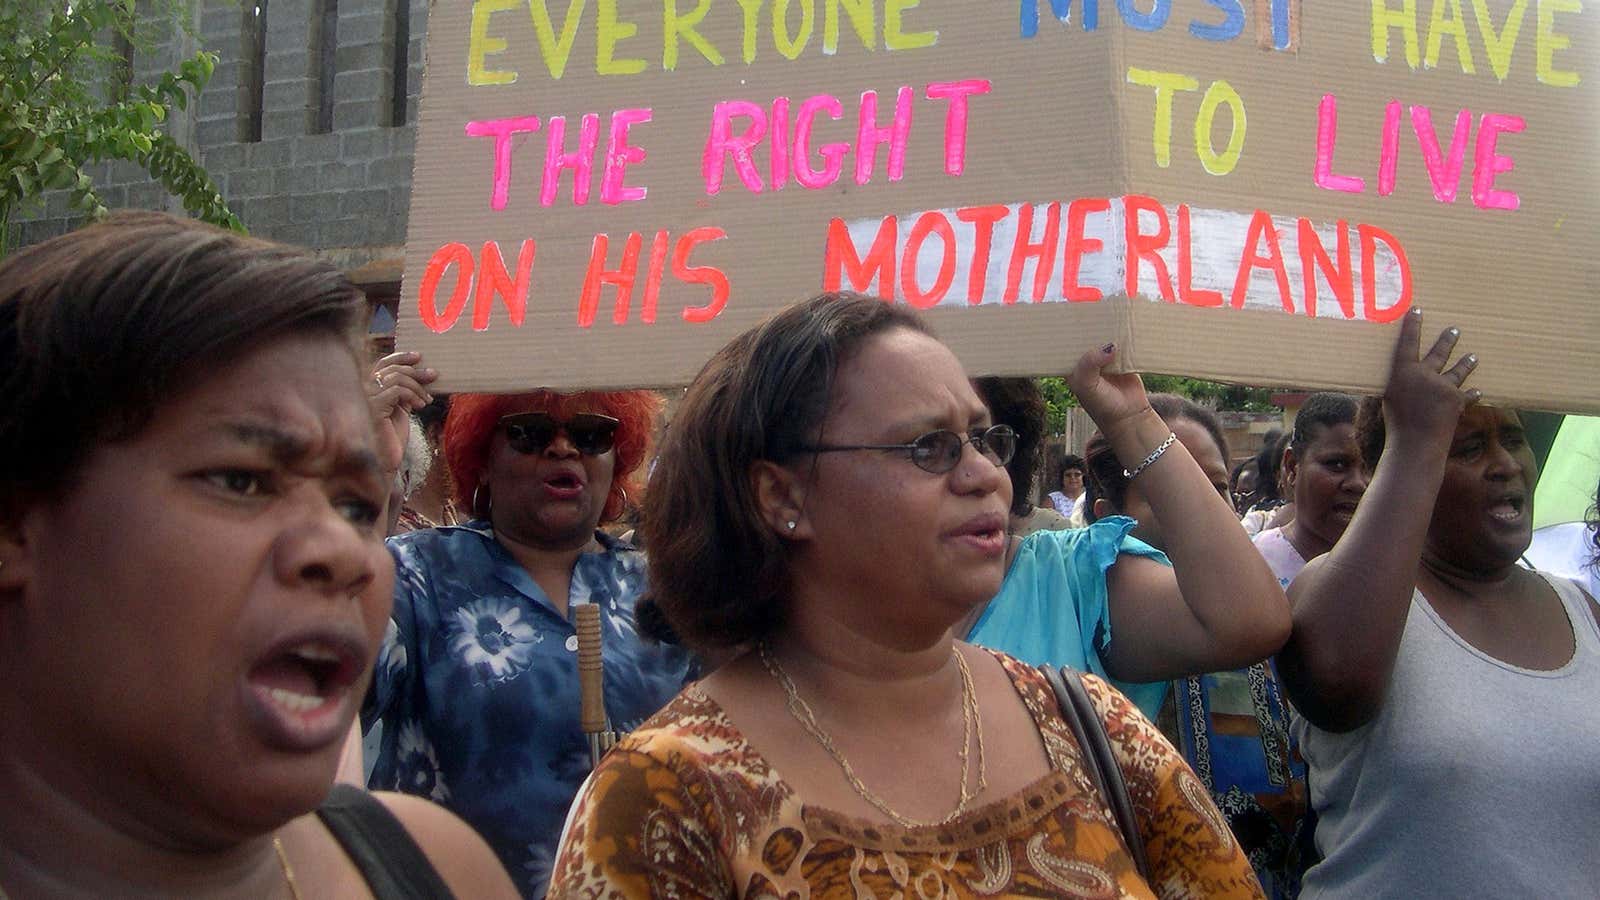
[(488, 509)]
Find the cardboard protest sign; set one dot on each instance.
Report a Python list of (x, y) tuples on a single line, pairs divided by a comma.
[(1244, 190)]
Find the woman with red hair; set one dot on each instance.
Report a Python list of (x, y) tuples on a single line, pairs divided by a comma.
[(477, 682)]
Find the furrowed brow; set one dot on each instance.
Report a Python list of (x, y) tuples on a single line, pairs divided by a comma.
[(283, 445), (287, 448)]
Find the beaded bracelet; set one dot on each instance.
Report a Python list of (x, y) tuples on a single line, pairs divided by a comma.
[(1172, 438)]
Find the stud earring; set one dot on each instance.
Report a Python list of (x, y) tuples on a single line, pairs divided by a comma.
[(790, 525)]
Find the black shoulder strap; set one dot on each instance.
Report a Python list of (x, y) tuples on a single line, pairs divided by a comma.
[(1090, 733), (386, 854)]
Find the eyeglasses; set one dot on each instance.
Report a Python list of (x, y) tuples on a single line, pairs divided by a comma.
[(590, 433), (939, 451)]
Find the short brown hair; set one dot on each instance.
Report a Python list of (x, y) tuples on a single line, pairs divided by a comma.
[(717, 572), (98, 326)]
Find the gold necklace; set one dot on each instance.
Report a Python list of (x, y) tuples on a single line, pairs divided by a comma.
[(288, 870), (283, 861), (971, 721)]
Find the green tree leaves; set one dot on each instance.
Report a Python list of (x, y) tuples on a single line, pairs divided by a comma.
[(63, 108)]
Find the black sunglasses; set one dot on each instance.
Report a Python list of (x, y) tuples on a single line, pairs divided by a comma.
[(590, 433), (939, 451)]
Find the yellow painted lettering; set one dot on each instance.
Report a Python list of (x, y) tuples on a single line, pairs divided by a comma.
[(863, 18), (1456, 27), (1549, 42), (1216, 163), (1164, 83), (556, 51), (678, 27), (480, 45), (895, 37), (1405, 19), (1498, 46), (609, 32), (789, 44), (752, 15)]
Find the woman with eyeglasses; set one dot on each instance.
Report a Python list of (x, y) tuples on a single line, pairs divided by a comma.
[(477, 683), (833, 496)]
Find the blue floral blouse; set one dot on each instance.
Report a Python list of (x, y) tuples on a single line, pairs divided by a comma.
[(476, 685)]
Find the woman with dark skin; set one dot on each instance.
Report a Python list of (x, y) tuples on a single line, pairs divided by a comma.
[(1323, 470), (1242, 486), (193, 583), (1325, 477), (477, 682), (1446, 691)]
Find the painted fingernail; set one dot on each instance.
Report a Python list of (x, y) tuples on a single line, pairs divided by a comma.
[(1472, 359), (1453, 331), (1416, 311), (1108, 348)]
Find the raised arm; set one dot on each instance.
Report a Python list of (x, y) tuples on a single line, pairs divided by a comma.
[(1350, 605), (1218, 607), (398, 388)]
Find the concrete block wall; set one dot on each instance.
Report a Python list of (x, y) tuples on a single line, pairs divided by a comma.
[(346, 191)]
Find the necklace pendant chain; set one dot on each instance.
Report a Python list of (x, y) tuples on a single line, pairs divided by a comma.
[(288, 870), (971, 725), (283, 862)]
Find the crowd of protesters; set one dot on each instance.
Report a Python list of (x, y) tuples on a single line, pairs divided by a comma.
[(832, 612)]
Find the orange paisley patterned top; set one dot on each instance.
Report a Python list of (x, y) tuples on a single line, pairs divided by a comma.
[(685, 808)]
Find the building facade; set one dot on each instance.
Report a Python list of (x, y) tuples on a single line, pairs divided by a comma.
[(307, 127)]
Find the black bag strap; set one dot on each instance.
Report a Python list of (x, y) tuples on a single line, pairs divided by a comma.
[(386, 854), (1090, 733)]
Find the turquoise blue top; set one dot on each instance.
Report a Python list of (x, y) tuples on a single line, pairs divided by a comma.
[(1051, 609)]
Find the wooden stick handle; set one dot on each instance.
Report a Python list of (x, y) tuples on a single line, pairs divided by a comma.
[(591, 671)]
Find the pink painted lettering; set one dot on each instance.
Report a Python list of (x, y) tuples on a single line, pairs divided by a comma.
[(955, 118), (620, 155), (1327, 135), (502, 130), (1490, 164)]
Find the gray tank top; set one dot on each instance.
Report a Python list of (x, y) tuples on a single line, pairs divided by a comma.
[(1476, 779)]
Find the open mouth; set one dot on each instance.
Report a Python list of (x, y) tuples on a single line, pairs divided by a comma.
[(563, 486), (1508, 509), (302, 678), (301, 690), (986, 533)]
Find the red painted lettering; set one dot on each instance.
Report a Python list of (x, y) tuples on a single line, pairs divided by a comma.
[(1043, 253), (1079, 246), (708, 275), (452, 254), (1261, 227), (622, 278), (1340, 275), (494, 280), (1143, 247), (1186, 291), (982, 219), (1370, 236), (840, 259), (929, 223)]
